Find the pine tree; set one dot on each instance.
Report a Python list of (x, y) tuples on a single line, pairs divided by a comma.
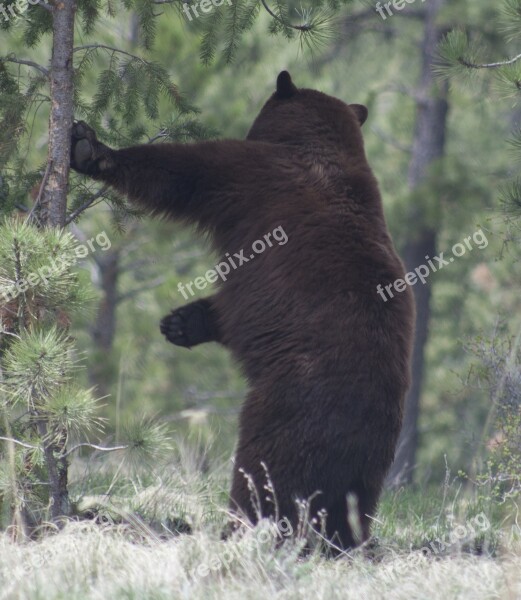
[(44, 411), (465, 57), (40, 405)]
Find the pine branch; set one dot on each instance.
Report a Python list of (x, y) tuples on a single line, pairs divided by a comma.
[(494, 65), (93, 446), (28, 63), (30, 446), (33, 214), (111, 49), (76, 213), (160, 135), (306, 27)]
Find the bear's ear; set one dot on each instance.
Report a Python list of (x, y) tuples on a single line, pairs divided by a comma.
[(285, 87), (360, 111)]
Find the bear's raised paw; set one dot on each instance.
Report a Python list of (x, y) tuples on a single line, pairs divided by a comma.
[(88, 155)]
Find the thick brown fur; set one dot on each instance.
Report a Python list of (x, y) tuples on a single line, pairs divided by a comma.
[(326, 358)]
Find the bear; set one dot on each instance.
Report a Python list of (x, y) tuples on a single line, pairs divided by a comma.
[(327, 361)]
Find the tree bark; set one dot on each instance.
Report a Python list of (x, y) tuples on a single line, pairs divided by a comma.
[(52, 209), (53, 203), (428, 147), (57, 471)]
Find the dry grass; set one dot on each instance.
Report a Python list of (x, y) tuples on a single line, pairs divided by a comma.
[(89, 561), (140, 558)]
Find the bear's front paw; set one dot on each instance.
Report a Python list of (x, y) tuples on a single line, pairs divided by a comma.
[(186, 326), (175, 328), (88, 155)]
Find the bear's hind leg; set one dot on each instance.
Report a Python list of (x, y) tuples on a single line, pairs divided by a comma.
[(338, 529), (348, 531)]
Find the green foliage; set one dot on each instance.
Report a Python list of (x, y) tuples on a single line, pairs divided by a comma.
[(459, 55), (463, 55), (506, 456), (511, 21), (89, 12), (314, 24), (510, 202), (36, 366), (16, 101), (144, 11), (148, 442), (317, 25), (37, 361), (129, 83), (35, 272), (184, 129), (75, 409), (499, 373), (35, 28), (43, 404)]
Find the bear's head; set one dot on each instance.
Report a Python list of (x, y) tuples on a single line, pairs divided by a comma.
[(303, 117)]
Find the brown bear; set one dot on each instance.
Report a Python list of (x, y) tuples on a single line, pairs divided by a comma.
[(327, 360)]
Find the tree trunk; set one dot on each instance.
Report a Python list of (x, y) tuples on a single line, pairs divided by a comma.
[(57, 471), (53, 207), (428, 147), (53, 203), (104, 328)]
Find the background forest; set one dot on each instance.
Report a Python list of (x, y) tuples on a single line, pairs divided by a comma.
[(84, 368)]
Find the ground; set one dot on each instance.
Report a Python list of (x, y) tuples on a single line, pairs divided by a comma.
[(473, 547)]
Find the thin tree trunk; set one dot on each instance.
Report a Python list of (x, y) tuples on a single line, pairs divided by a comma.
[(53, 206), (428, 147), (53, 203), (104, 328), (57, 471)]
